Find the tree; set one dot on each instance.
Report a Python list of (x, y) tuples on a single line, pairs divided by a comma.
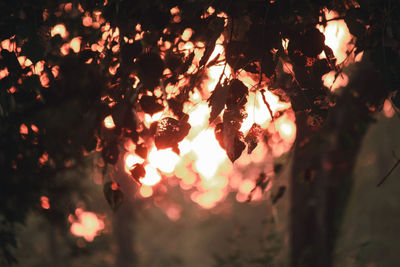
[(121, 58)]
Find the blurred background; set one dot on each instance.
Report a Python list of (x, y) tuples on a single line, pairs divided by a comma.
[(168, 228)]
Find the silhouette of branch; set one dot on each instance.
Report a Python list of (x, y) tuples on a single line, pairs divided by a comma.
[(389, 173)]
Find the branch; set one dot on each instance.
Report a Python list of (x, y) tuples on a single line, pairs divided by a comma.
[(389, 173), (267, 104)]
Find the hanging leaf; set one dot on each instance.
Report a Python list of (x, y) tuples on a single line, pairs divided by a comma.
[(141, 150), (215, 26), (217, 100), (253, 136), (170, 132), (237, 96), (113, 195), (232, 137), (138, 172)]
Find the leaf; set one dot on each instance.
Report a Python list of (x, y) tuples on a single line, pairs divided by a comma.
[(253, 136), (232, 137), (215, 26), (217, 100), (151, 68), (150, 105), (113, 195), (141, 150), (313, 42), (170, 132), (138, 172), (237, 96), (122, 114), (268, 64)]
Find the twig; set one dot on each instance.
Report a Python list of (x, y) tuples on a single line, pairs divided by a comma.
[(389, 173), (263, 37), (267, 104)]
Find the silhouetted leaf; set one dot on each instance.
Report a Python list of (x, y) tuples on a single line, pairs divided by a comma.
[(253, 136), (151, 67), (138, 172), (169, 132), (237, 96), (231, 136), (150, 105), (141, 150), (313, 42), (217, 100), (215, 26)]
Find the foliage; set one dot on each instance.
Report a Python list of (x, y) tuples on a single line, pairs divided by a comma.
[(50, 118)]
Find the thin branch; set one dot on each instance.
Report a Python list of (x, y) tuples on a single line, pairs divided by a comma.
[(263, 38), (267, 104), (389, 173)]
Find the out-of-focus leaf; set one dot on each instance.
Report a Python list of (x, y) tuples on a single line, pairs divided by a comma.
[(113, 195), (151, 68), (138, 172), (253, 136), (141, 150), (150, 105), (313, 42)]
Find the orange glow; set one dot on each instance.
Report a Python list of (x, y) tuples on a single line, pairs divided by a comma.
[(146, 191), (86, 224), (388, 110), (329, 80), (173, 212), (203, 165), (75, 44), (207, 199), (286, 128), (187, 33), (109, 122), (337, 35), (44, 202), (23, 129), (165, 160), (208, 153), (87, 21), (59, 29), (152, 176)]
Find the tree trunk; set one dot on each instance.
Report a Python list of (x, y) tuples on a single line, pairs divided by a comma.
[(322, 168), (124, 220)]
